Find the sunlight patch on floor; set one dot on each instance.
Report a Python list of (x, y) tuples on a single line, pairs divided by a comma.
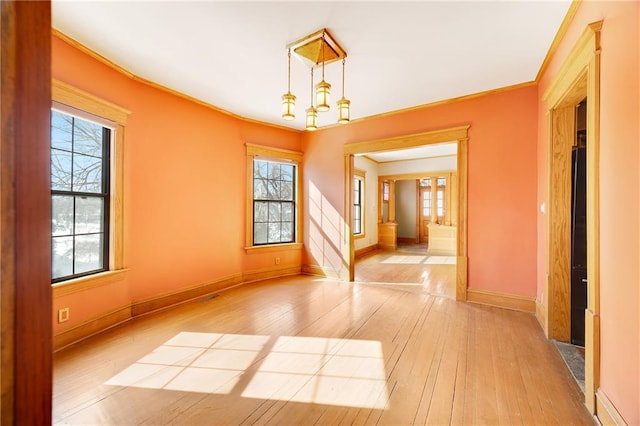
[(343, 372)]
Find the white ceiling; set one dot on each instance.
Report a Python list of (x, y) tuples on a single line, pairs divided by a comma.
[(425, 151), (400, 54)]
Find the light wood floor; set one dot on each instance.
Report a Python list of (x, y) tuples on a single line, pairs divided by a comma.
[(409, 265), (303, 350)]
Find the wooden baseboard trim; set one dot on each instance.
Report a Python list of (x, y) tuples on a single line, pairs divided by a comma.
[(92, 327), (502, 300), (407, 240), (364, 250), (388, 246), (265, 274), (540, 316), (319, 271), (169, 300), (606, 412)]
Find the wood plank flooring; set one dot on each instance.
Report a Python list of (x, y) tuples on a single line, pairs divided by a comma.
[(304, 350), (409, 265)]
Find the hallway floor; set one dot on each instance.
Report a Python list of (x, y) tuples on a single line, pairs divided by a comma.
[(409, 265)]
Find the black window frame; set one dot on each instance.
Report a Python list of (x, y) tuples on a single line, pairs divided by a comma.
[(104, 195), (293, 202)]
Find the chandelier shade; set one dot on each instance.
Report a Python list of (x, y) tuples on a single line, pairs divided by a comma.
[(323, 94), (288, 106), (344, 111)]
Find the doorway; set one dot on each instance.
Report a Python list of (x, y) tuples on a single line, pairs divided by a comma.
[(456, 134), (577, 79)]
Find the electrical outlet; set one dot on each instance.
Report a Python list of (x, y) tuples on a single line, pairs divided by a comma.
[(63, 315), (277, 260)]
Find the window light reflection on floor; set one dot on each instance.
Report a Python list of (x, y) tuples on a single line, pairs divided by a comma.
[(343, 372)]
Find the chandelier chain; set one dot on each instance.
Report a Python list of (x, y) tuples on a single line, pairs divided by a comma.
[(343, 77), (289, 72)]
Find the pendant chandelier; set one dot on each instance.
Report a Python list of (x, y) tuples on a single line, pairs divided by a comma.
[(316, 50)]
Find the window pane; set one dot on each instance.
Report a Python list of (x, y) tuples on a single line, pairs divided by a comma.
[(88, 253), (357, 227), (87, 138), (61, 256), (60, 170), (274, 171), (260, 169), (61, 215), (287, 232), (259, 189), (287, 172), (87, 173), (274, 233), (442, 181), (260, 211), (287, 212), (286, 191), (357, 213), (273, 188), (89, 213), (61, 125), (274, 212), (260, 233)]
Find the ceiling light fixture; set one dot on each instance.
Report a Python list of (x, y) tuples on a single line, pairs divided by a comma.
[(312, 113), (315, 50), (288, 99), (344, 103)]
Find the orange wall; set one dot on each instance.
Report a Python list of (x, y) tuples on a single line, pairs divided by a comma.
[(619, 189), (185, 183), (502, 183)]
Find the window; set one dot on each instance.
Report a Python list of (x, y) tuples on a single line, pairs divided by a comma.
[(425, 184), (273, 192), (442, 183), (80, 195), (426, 204), (358, 203), (274, 202), (385, 191), (87, 182)]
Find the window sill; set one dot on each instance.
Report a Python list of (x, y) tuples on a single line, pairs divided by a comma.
[(273, 247), (90, 281), (359, 236)]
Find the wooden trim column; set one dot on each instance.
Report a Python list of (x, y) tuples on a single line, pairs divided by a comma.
[(25, 216), (462, 220)]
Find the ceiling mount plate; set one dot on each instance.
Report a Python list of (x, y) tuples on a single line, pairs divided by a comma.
[(310, 49)]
